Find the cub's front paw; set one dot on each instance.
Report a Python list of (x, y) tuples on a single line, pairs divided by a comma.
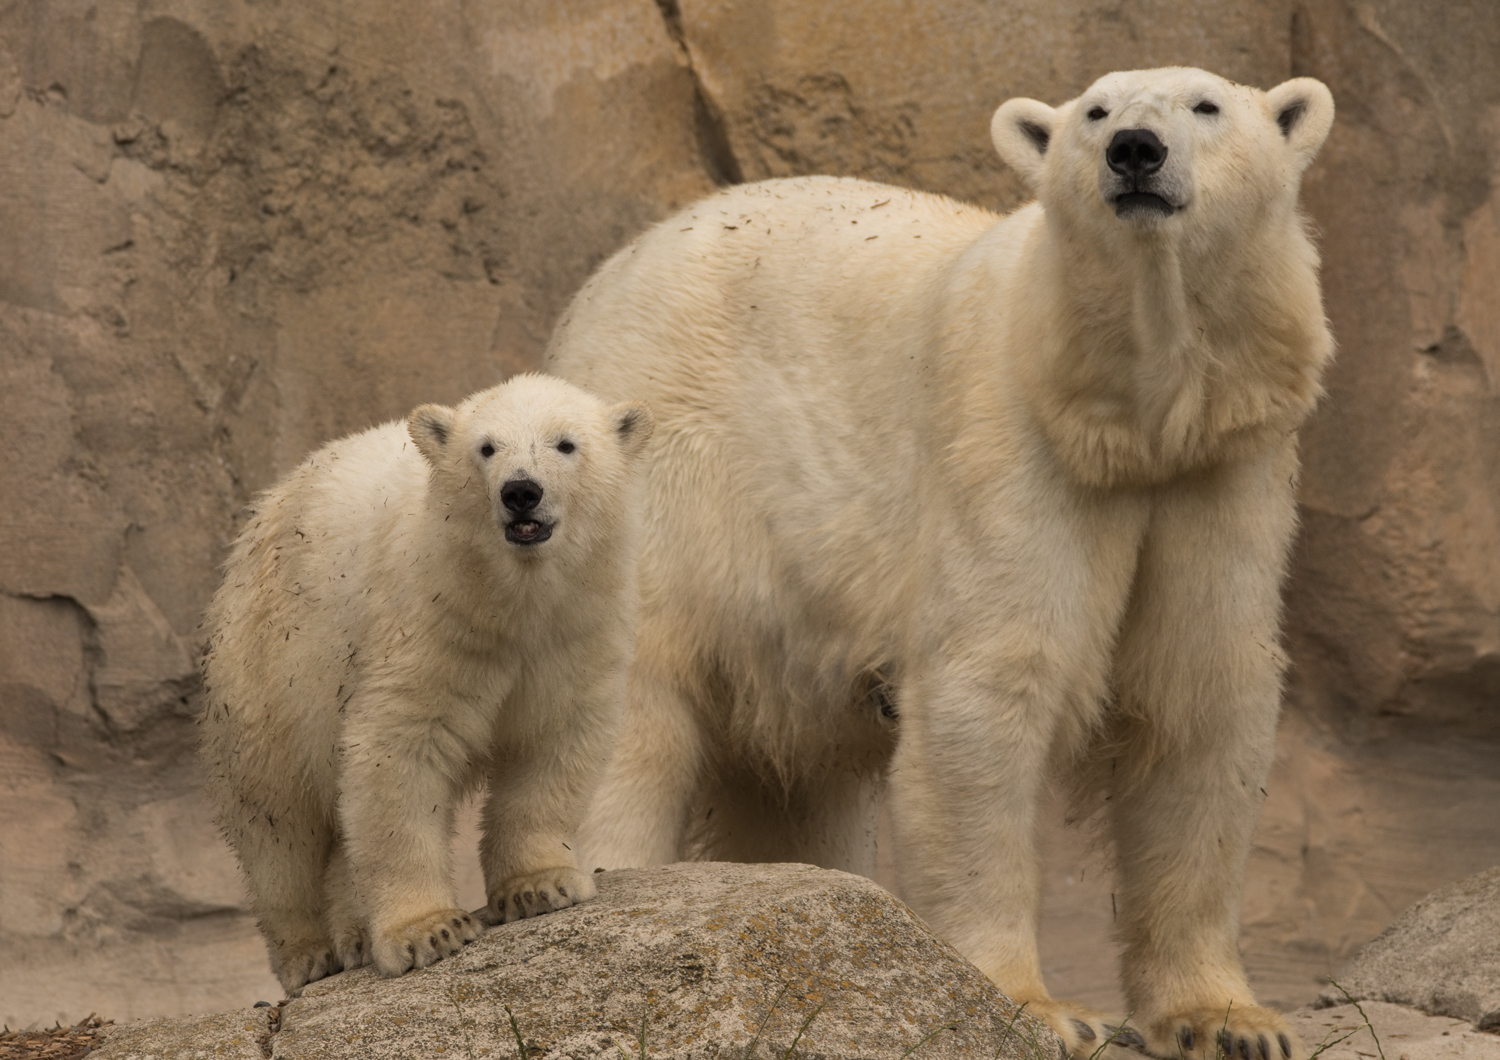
[(420, 942), (1234, 1032), (539, 892), (1086, 1032)]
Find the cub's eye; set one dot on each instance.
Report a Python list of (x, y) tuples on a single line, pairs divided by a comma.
[(1098, 114), (486, 450), (1206, 108), (565, 447)]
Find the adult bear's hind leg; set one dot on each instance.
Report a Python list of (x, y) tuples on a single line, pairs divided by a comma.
[(638, 816), (830, 821)]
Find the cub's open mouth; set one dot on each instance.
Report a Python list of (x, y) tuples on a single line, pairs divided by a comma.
[(528, 532), (1130, 202)]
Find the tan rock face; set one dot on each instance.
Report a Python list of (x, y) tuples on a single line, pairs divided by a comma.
[(230, 231)]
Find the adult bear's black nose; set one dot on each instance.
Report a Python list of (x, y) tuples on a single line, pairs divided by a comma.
[(520, 495), (1135, 152)]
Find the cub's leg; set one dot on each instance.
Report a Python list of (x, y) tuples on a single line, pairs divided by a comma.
[(540, 784), (1199, 682), (342, 911), (638, 815), (396, 804), (284, 852)]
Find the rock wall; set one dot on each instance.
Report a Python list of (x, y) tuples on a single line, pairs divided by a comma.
[(233, 229)]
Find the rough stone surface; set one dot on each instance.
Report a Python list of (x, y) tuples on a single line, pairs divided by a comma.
[(1394, 1031), (233, 229), (717, 959), (1441, 956), (239, 1035)]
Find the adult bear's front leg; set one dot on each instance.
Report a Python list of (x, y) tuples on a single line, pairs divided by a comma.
[(965, 787), (1199, 684), (1006, 675)]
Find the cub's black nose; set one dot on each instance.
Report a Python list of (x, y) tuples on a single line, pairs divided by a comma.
[(1135, 152), (520, 495)]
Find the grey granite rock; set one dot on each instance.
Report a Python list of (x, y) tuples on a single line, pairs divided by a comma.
[(699, 960), (1441, 956), (239, 1035)]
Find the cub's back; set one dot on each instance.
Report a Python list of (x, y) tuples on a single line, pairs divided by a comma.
[(298, 580)]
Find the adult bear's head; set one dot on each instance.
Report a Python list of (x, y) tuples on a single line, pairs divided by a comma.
[(535, 457), (1171, 150)]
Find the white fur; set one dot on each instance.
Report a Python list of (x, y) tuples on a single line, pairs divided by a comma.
[(1028, 479), (379, 648)]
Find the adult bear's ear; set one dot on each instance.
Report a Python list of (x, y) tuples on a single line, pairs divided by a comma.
[(1022, 131), (1303, 110), (632, 423), (430, 426)]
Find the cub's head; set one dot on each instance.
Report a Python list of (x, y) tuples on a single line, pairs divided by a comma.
[(1163, 149), (535, 457)]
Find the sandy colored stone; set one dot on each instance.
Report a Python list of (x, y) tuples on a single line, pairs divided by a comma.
[(231, 232), (718, 959), (1397, 1032), (1441, 956)]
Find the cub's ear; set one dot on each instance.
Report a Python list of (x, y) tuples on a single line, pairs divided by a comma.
[(430, 426), (632, 423), (1022, 131), (1303, 109)]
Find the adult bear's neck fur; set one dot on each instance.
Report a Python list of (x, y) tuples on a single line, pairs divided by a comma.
[(1169, 350)]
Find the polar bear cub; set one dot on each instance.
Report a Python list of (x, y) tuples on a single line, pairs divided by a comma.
[(957, 500), (415, 610)]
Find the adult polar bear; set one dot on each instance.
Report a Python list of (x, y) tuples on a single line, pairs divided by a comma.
[(1026, 482)]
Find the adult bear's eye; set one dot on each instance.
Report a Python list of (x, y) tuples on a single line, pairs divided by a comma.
[(486, 450), (1206, 108), (564, 447), (1098, 114)]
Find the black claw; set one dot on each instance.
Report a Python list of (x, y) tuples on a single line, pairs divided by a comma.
[(1244, 1044), (447, 936), (457, 923), (1286, 1045), (563, 891), (411, 950), (432, 941), (1226, 1043), (1185, 1036), (1131, 1039), (1265, 1048), (1084, 1030)]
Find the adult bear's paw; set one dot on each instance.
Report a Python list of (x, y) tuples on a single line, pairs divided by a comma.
[(1235, 1032), (1085, 1032), (539, 892), (422, 941)]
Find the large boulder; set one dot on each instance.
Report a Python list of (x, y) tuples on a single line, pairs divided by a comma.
[(698, 960), (1442, 956)]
